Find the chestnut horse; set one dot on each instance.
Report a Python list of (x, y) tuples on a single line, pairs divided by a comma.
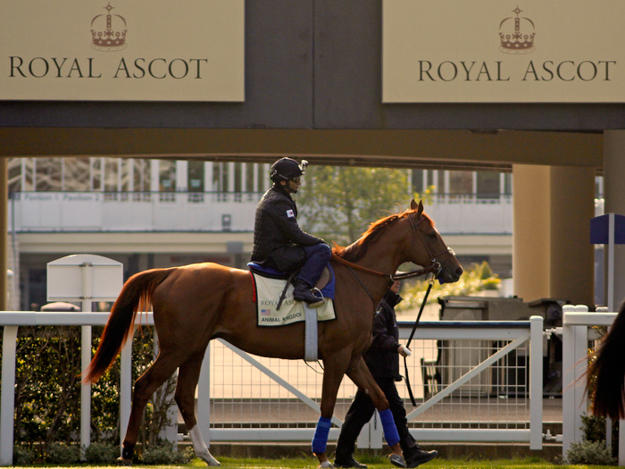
[(196, 303)]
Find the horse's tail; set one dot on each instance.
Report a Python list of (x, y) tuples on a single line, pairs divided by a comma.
[(607, 366), (136, 295)]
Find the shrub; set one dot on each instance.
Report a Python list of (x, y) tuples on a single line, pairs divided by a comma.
[(478, 277), (590, 453), (23, 456), (63, 454), (99, 453), (593, 428), (164, 453)]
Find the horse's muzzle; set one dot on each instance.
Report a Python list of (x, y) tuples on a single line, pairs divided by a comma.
[(449, 276)]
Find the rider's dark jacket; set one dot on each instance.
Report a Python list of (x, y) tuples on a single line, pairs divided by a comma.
[(277, 236), (382, 358)]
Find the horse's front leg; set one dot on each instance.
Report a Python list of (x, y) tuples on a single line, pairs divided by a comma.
[(361, 376), (334, 370)]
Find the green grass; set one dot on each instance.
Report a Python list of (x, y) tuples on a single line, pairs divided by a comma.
[(374, 462)]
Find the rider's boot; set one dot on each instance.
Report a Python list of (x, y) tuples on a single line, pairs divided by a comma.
[(302, 292)]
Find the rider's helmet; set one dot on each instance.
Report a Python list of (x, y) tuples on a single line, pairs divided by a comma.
[(287, 168)]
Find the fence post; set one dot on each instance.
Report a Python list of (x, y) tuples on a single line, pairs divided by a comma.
[(204, 397), (364, 438), (536, 382), (376, 433), (574, 365), (7, 406), (125, 389)]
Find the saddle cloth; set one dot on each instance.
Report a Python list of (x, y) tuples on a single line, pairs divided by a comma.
[(267, 293)]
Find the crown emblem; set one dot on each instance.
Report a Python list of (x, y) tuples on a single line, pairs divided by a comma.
[(517, 34), (108, 32)]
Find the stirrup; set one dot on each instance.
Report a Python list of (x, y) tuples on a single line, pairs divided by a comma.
[(321, 301)]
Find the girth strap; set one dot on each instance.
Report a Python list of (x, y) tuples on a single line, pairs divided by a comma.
[(310, 335)]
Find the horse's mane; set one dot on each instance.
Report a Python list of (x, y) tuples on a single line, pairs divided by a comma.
[(358, 249)]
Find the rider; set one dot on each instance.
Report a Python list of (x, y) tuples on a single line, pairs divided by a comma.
[(279, 242)]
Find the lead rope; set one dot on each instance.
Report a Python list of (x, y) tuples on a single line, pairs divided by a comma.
[(414, 328)]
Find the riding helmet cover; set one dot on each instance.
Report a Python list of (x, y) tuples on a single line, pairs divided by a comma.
[(287, 168)]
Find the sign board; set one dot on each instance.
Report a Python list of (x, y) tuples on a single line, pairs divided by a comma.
[(84, 277), (122, 50), (528, 51), (600, 229)]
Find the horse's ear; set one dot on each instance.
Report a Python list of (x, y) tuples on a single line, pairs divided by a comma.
[(419, 207)]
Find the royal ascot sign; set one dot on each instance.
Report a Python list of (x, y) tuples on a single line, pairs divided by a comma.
[(503, 51), (122, 50)]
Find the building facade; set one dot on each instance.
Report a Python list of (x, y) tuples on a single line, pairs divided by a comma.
[(160, 213)]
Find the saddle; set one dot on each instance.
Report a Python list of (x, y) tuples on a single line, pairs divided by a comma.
[(293, 311), (325, 284)]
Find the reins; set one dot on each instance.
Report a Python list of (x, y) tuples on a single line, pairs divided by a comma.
[(433, 268), (414, 328)]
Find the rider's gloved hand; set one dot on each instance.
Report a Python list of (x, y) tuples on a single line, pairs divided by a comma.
[(404, 351)]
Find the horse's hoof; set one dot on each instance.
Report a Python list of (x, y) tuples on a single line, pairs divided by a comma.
[(326, 465), (211, 461), (397, 460), (124, 462)]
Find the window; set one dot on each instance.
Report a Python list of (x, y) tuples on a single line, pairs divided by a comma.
[(460, 182), (15, 174), (76, 173), (488, 184), (48, 173), (111, 174), (167, 176), (141, 175), (195, 174)]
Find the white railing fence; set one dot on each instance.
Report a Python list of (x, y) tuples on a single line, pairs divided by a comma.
[(577, 338), (473, 381)]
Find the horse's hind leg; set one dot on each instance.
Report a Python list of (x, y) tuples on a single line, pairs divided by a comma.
[(188, 375), (162, 368)]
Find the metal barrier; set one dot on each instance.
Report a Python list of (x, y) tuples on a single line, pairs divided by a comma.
[(480, 381)]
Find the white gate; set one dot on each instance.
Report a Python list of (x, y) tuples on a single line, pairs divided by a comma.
[(495, 398)]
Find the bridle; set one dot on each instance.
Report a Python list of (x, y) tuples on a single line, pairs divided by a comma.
[(435, 266)]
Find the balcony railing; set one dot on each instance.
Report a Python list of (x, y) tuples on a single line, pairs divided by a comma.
[(220, 211), (132, 211)]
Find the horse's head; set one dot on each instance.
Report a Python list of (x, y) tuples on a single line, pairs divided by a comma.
[(428, 248)]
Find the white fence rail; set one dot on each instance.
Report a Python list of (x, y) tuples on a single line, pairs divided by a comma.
[(473, 380)]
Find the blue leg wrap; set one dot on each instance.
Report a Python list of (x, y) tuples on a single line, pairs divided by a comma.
[(320, 440), (389, 428)]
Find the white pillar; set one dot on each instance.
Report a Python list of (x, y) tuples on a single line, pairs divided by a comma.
[(154, 176), (182, 176)]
